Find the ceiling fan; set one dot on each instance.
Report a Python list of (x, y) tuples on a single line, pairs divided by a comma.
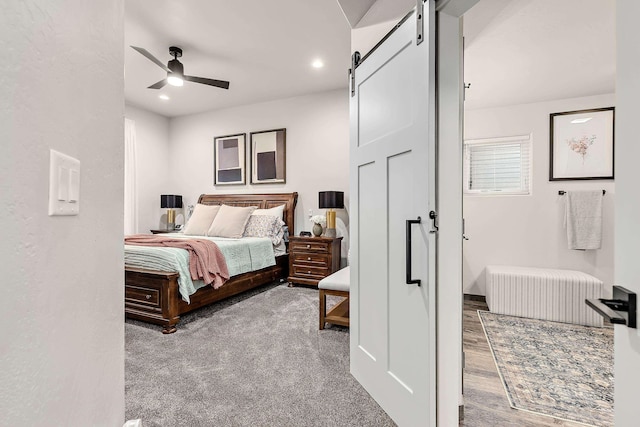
[(175, 71)]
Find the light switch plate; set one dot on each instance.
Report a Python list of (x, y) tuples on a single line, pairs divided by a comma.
[(64, 184)]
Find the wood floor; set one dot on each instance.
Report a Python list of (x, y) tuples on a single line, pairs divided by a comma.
[(486, 402)]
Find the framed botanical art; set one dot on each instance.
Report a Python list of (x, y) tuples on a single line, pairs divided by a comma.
[(229, 159), (582, 144), (268, 156)]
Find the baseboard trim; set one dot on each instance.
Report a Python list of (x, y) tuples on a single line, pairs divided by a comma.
[(471, 297)]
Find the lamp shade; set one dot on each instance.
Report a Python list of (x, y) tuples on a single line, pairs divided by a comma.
[(331, 200), (170, 201)]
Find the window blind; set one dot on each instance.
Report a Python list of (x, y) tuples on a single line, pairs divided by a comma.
[(498, 165)]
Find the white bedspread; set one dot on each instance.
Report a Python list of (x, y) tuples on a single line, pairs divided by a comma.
[(242, 256)]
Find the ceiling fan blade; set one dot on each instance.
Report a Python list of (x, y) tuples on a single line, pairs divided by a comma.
[(211, 82), (158, 85), (151, 58)]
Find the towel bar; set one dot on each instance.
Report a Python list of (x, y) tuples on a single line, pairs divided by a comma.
[(562, 192)]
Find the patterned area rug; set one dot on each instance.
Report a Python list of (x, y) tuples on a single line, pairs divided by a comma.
[(556, 369)]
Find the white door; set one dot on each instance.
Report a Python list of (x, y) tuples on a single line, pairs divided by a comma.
[(392, 175)]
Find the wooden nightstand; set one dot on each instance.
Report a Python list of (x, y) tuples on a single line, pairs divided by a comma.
[(311, 259), (162, 231)]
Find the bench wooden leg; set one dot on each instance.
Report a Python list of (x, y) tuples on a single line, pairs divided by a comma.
[(323, 307), (339, 314)]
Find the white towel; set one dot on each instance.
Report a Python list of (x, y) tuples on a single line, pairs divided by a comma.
[(583, 219)]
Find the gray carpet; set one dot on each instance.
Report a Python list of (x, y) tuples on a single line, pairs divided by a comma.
[(254, 360), (556, 369)]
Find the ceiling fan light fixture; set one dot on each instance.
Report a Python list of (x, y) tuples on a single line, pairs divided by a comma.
[(176, 76), (175, 80), (175, 71)]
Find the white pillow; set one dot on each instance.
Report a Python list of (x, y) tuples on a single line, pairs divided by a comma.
[(230, 221), (265, 226), (201, 220), (278, 211)]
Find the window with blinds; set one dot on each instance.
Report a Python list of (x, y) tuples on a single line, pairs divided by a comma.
[(498, 165)]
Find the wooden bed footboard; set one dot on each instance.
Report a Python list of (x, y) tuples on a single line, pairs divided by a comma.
[(154, 297)]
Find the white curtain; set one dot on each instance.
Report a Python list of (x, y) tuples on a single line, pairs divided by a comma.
[(130, 189)]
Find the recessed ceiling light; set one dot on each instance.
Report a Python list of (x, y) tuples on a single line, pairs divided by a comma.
[(317, 63), (163, 96), (583, 120)]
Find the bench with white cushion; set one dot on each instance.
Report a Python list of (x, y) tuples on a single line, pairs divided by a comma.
[(336, 284), (543, 293)]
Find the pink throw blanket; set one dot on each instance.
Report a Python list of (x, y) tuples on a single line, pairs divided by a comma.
[(206, 261)]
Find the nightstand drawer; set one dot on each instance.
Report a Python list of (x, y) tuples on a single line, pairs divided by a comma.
[(311, 259), (304, 271), (144, 296), (309, 246)]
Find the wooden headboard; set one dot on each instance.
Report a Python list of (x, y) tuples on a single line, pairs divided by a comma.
[(261, 201)]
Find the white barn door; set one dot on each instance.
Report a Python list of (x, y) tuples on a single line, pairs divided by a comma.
[(392, 174)]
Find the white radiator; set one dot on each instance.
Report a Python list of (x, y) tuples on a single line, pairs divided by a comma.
[(542, 293)]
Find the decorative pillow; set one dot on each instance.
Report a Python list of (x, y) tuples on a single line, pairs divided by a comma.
[(230, 221), (201, 220), (278, 211), (265, 226)]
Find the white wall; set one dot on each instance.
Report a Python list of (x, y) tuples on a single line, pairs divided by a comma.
[(317, 148), (62, 347), (528, 230), (152, 166)]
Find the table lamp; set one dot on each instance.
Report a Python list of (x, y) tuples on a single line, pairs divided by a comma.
[(171, 202), (331, 200)]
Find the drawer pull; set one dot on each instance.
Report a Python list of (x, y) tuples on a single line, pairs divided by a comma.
[(308, 258), (148, 297), (309, 272), (308, 246)]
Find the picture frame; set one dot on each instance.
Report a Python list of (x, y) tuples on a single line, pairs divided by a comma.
[(229, 159), (268, 156), (581, 144)]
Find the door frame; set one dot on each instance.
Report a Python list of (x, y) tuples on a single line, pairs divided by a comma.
[(627, 208), (450, 125), (449, 137)]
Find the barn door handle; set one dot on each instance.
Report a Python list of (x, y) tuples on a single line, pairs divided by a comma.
[(410, 222)]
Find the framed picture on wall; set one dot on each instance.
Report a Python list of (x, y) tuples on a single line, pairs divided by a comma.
[(229, 159), (268, 156), (581, 144)]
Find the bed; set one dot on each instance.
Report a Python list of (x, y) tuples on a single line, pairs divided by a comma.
[(154, 297)]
